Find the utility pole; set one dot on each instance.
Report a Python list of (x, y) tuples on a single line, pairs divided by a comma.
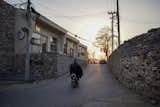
[(27, 43), (28, 4), (112, 13), (28, 9), (118, 21)]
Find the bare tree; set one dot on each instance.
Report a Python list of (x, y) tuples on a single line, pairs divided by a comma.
[(103, 40)]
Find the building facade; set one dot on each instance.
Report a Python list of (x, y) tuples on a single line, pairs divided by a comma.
[(33, 47)]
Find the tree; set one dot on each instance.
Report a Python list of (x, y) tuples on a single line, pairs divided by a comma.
[(103, 40)]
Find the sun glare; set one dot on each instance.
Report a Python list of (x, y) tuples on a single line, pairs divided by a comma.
[(89, 27), (96, 54)]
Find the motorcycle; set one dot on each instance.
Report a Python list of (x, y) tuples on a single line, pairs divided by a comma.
[(74, 80)]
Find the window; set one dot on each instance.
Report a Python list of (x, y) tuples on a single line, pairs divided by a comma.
[(70, 48), (81, 51), (36, 39), (71, 52), (36, 43), (37, 28), (44, 43), (53, 45), (39, 43), (65, 48)]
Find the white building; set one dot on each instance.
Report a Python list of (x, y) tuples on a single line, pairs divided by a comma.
[(41, 47)]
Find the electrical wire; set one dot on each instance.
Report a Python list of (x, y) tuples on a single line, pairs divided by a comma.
[(114, 5), (51, 10), (59, 15), (43, 5), (129, 20)]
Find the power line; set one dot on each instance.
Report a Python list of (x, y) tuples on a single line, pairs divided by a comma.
[(45, 6), (83, 15), (51, 10), (111, 1), (135, 21), (114, 5), (83, 39)]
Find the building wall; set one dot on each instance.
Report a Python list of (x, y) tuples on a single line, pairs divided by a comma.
[(44, 30), (82, 52), (44, 64), (7, 24), (136, 64), (23, 32), (64, 62), (61, 44), (20, 23)]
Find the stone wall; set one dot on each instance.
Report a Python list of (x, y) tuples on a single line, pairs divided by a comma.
[(43, 66), (136, 64), (48, 65), (7, 23)]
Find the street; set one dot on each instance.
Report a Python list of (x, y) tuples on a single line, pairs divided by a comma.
[(98, 88)]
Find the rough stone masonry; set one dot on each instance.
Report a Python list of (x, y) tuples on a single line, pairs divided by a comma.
[(136, 64), (7, 23)]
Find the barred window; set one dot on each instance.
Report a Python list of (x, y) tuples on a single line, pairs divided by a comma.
[(53, 45)]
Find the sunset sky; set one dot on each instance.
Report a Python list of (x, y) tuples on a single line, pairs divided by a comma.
[(86, 17)]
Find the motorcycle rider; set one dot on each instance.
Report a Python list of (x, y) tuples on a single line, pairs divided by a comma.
[(76, 68)]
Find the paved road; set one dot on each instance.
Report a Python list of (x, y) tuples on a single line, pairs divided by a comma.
[(97, 89)]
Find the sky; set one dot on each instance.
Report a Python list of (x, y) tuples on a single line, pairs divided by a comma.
[(86, 17)]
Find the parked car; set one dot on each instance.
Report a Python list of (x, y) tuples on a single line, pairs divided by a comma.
[(102, 62)]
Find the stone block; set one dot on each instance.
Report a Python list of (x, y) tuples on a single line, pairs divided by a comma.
[(139, 63)]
